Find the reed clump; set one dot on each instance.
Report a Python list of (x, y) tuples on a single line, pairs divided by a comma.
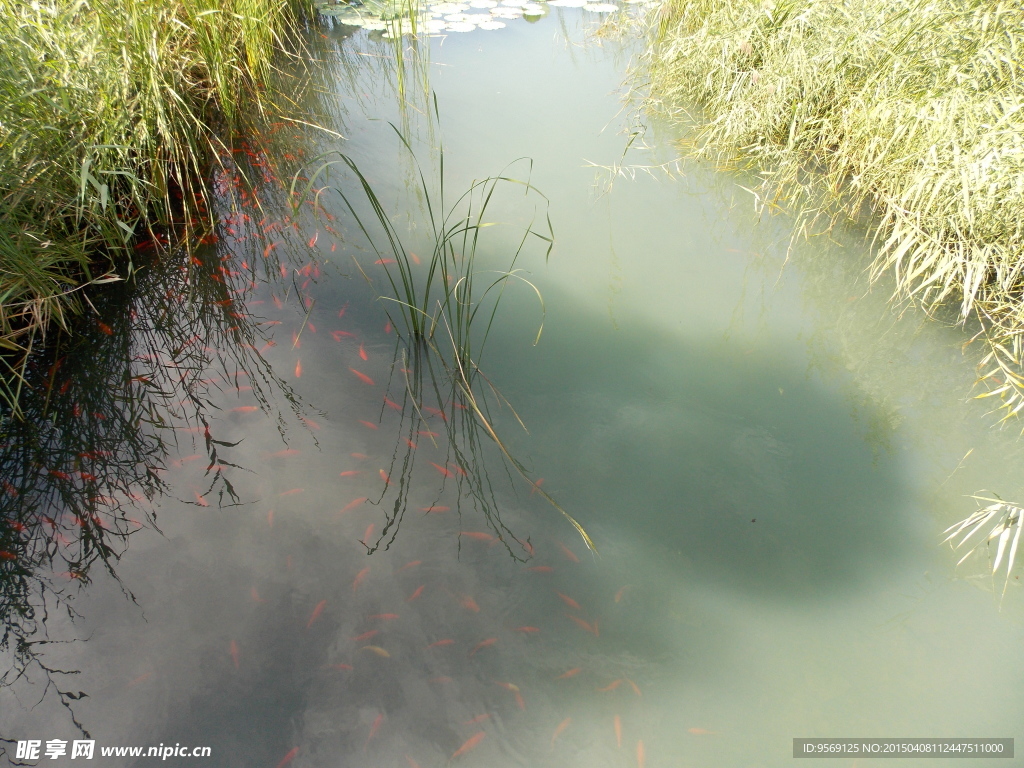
[(110, 114), (908, 114)]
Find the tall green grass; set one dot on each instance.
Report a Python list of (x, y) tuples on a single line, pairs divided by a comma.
[(907, 114), (110, 114)]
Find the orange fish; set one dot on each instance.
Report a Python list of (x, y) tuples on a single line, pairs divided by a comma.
[(313, 239), (387, 327), (410, 443), (569, 601), (384, 616), (362, 376), (484, 644), (296, 343), (392, 404), (508, 686), (200, 500), (410, 564), (440, 643), (347, 667), (701, 732), (541, 569), (620, 593), (427, 433), (367, 533), (288, 758), (477, 719), (384, 261), (385, 478), (611, 686), (285, 452), (534, 487), (477, 535), (471, 742), (359, 578), (362, 353), (365, 636), (591, 628), (435, 508), (234, 653), (270, 518), (316, 613), (571, 673), (416, 594), (459, 469), (298, 369), (414, 257), (339, 335), (353, 504), (309, 423), (558, 731), (617, 722), (350, 472), (291, 492), (376, 649), (568, 552), (519, 700), (368, 424), (526, 629), (246, 409), (635, 687), (359, 456), (373, 730), (469, 604), (641, 758), (441, 469)]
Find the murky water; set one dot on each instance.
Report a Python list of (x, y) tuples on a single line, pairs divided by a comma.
[(764, 454)]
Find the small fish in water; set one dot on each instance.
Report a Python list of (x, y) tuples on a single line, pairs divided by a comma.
[(316, 613), (519, 700), (346, 667), (427, 433), (367, 533), (440, 643), (384, 476), (469, 744), (414, 257), (360, 577), (384, 261), (526, 630), (611, 686), (309, 423), (469, 604), (701, 732), (477, 535), (313, 239), (365, 636), (373, 730), (541, 569), (383, 617), (641, 757), (353, 504), (362, 376), (387, 327), (350, 473), (620, 593), (635, 687), (291, 492), (441, 469), (234, 653), (410, 564), (245, 409), (559, 730), (569, 601), (617, 723), (288, 758), (534, 487), (270, 518), (435, 508), (285, 452), (359, 456), (410, 443), (571, 673), (508, 686), (483, 644), (200, 500), (298, 369), (392, 404), (339, 335), (591, 628), (478, 719), (368, 424), (377, 650), (362, 353), (415, 595), (568, 552)]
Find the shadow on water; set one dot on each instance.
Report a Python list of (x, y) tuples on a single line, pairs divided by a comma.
[(733, 464)]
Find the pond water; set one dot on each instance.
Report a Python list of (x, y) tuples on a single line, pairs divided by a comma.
[(764, 454)]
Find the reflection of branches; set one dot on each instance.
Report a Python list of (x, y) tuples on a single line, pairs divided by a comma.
[(103, 410)]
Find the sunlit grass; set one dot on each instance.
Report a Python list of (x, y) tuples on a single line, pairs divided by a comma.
[(110, 114), (908, 115)]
